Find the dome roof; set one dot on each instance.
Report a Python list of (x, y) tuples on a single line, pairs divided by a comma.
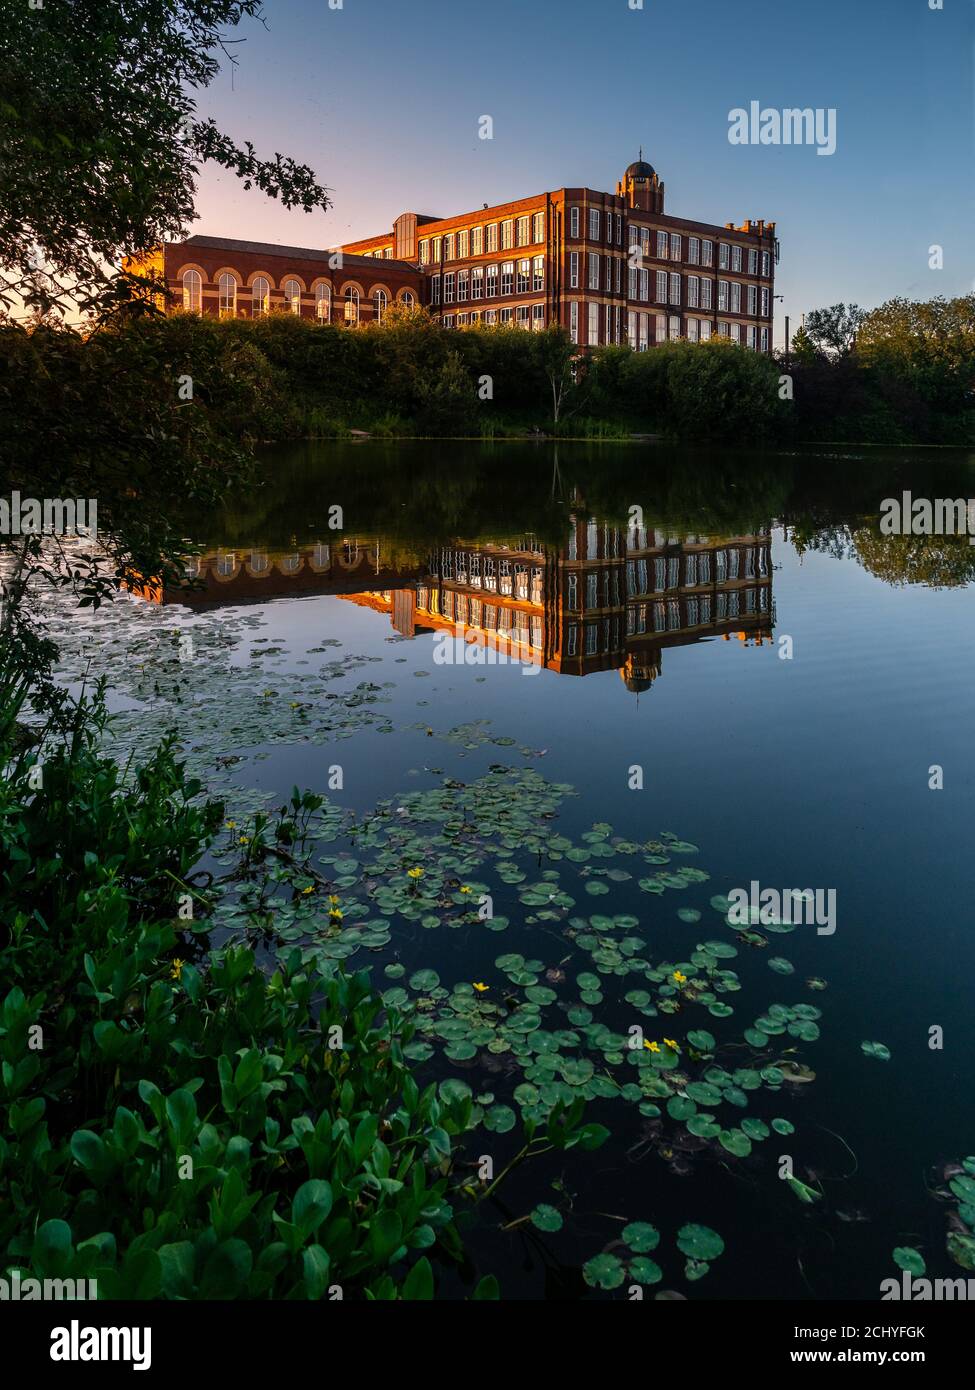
[(640, 169)]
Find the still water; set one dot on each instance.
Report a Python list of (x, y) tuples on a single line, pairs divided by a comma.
[(717, 652)]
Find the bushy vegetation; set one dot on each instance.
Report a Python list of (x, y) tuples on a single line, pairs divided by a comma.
[(189, 1131), (205, 389)]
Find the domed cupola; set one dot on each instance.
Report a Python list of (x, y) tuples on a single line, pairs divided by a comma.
[(641, 186)]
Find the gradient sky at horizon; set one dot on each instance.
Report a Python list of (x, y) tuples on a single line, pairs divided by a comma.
[(382, 98)]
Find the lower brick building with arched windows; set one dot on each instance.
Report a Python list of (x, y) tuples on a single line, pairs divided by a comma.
[(245, 279)]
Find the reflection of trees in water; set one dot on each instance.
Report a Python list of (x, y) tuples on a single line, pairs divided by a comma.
[(940, 562)]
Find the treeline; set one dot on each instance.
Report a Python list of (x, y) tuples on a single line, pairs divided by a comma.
[(907, 375)]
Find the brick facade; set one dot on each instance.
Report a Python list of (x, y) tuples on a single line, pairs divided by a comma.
[(608, 267)]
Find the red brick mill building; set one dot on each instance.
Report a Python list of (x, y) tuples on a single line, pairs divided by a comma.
[(608, 267)]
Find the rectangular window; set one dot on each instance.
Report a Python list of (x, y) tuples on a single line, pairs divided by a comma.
[(477, 282), (538, 316), (645, 241), (507, 276), (735, 297), (492, 237), (490, 315), (693, 291), (573, 222), (753, 299), (659, 328), (593, 324), (644, 332), (724, 255), (538, 273), (538, 227), (448, 247), (592, 591), (661, 287), (631, 290), (706, 293), (448, 287), (752, 336), (593, 224), (765, 302), (723, 295), (462, 286), (705, 330), (618, 273), (574, 321), (674, 326), (765, 340), (675, 246), (477, 241), (492, 281), (521, 231), (524, 277), (463, 245), (644, 285), (594, 270), (437, 248), (631, 329), (461, 320), (693, 331), (609, 274), (573, 270), (662, 246), (766, 263), (507, 233), (505, 315), (523, 313), (707, 253), (736, 258), (675, 289), (752, 261), (736, 332), (619, 229), (694, 250), (434, 289), (424, 252)]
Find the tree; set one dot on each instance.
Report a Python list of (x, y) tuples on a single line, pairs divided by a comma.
[(557, 356), (833, 331), (100, 145)]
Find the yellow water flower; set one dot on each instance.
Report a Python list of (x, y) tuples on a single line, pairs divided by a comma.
[(231, 825), (243, 840), (334, 899), (414, 873), (465, 889), (176, 969), (681, 979), (480, 987), (309, 889), (672, 1044), (652, 1046), (335, 915)]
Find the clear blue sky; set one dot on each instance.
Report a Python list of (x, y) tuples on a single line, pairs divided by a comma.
[(382, 99)]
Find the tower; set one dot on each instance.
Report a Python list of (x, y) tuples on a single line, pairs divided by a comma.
[(641, 186)]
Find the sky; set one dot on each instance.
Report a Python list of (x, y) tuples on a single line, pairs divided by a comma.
[(384, 100)]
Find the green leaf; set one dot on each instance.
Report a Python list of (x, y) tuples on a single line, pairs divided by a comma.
[(312, 1203), (418, 1284)]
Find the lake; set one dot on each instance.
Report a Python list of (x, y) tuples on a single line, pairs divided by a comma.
[(593, 690)]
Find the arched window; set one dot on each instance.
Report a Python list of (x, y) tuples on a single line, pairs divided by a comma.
[(408, 299), (352, 306), (260, 296), (228, 295), (192, 291), (323, 303), (292, 296), (379, 301)]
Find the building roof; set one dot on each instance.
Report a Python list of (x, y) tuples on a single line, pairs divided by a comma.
[(264, 248), (640, 169)]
